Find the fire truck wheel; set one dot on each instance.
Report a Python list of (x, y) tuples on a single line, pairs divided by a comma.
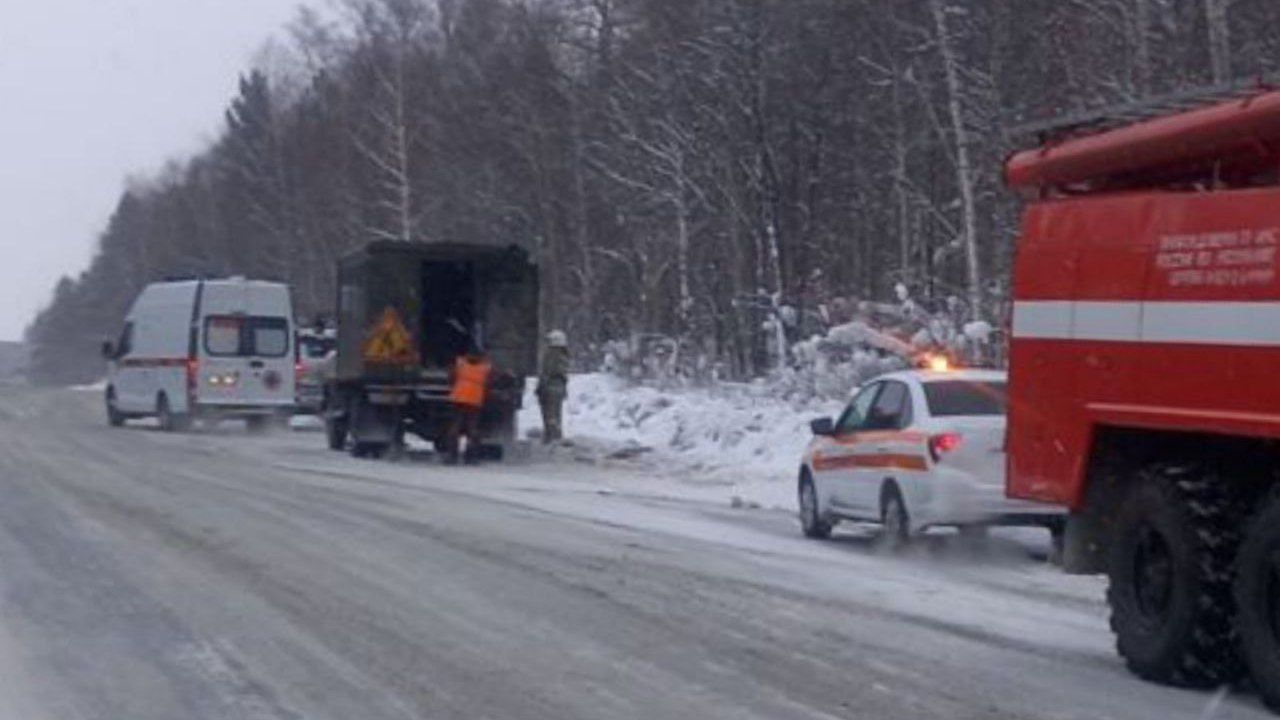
[(1257, 595), (811, 521), (1170, 578)]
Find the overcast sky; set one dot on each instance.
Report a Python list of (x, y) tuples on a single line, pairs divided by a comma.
[(92, 91)]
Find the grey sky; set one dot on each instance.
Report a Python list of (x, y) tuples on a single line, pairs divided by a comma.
[(92, 91)]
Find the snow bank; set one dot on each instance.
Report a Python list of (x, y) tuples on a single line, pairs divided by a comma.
[(739, 442)]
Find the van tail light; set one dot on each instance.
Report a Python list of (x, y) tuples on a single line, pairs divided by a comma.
[(942, 444), (193, 377), (298, 372)]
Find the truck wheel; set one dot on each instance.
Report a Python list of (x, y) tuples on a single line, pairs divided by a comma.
[(335, 430), (811, 520), (896, 524), (1257, 595), (115, 418), (371, 450), (1170, 578)]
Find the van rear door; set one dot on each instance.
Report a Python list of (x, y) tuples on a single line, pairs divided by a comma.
[(246, 360)]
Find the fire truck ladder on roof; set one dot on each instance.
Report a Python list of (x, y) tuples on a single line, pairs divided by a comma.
[(1126, 113)]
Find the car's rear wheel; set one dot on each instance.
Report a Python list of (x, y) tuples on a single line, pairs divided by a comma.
[(896, 524), (812, 522)]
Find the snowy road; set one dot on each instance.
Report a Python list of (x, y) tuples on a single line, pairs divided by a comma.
[(211, 575)]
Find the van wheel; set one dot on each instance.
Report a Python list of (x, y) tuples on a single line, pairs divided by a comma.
[(1170, 571), (257, 424), (894, 519), (115, 418), (169, 420)]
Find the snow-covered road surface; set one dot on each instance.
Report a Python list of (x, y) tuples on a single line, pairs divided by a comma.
[(214, 575)]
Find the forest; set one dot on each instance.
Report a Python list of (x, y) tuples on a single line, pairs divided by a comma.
[(692, 170)]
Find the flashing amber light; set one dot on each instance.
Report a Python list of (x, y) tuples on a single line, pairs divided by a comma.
[(939, 363)]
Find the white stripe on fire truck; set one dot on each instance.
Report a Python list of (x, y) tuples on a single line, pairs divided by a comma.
[(1157, 321)]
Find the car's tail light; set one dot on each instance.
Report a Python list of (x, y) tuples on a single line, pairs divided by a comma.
[(942, 444), (298, 372)]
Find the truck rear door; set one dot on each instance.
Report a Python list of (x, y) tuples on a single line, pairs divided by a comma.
[(511, 317)]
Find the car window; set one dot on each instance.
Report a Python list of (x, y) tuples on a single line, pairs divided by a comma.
[(965, 397), (855, 415), (892, 408), (268, 337), (314, 348), (222, 335), (239, 336)]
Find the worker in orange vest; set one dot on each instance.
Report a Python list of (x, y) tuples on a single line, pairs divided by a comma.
[(470, 387)]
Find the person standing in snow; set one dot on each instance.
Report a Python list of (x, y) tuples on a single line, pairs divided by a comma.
[(553, 385), (470, 387)]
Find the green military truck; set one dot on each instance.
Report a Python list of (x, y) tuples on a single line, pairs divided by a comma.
[(406, 311)]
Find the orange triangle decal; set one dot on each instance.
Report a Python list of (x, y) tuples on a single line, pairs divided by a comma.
[(389, 342)]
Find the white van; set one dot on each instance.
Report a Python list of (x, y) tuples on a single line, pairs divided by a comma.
[(204, 349)]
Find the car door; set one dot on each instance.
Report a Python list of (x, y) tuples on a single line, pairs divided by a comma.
[(883, 449), (840, 452)]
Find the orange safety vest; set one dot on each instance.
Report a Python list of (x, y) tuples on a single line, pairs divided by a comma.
[(469, 382)]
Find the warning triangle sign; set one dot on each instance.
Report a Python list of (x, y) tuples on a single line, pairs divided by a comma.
[(389, 342)]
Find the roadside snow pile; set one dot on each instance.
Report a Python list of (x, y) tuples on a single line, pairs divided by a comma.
[(739, 438)]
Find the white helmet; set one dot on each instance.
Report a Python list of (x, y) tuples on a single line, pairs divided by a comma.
[(557, 338)]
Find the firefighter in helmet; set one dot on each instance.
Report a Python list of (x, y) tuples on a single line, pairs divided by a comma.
[(553, 385)]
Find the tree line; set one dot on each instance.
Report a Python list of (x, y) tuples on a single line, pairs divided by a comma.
[(695, 170)]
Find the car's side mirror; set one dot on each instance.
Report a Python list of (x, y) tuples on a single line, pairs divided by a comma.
[(108, 350), (823, 426)]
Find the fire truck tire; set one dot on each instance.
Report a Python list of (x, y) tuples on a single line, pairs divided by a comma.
[(1170, 571), (1257, 595), (812, 523)]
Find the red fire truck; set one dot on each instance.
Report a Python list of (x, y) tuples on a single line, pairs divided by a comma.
[(1145, 373)]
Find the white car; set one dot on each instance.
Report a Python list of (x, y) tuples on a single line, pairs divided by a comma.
[(913, 450), (203, 349)]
